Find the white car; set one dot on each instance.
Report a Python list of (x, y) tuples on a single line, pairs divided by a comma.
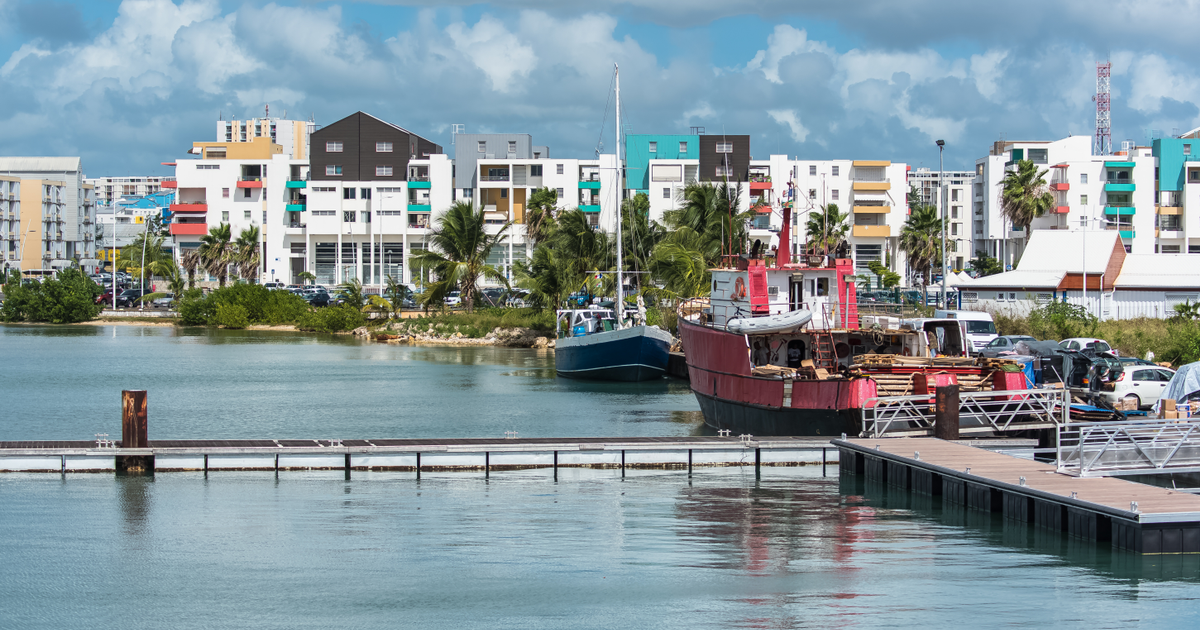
[(1080, 343), (453, 298), (1142, 383)]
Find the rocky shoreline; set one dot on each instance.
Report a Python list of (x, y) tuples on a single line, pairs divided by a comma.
[(503, 337)]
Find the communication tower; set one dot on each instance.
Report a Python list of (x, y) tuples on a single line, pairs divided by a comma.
[(1102, 145)]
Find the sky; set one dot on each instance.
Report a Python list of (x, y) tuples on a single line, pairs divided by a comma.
[(129, 84)]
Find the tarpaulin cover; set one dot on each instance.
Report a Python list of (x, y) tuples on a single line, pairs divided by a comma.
[(1185, 383)]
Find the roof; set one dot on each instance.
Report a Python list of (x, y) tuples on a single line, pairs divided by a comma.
[(39, 164), (1160, 271), (1019, 279), (1063, 251)]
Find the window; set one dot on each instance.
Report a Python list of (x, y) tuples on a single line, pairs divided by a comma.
[(812, 169), (666, 193), (225, 216), (324, 189), (1083, 178), (1083, 200), (383, 147), (207, 167), (1194, 176), (383, 171), (812, 193), (558, 192), (724, 171), (834, 194), (535, 170), (512, 146), (560, 171), (864, 255), (245, 193), (724, 147), (366, 216), (246, 215), (653, 147), (666, 172), (347, 193), (1187, 149), (504, 193), (349, 216), (333, 147), (954, 229), (683, 147), (224, 193), (954, 195), (835, 171), (333, 169), (954, 212), (1170, 249), (364, 193), (1038, 156)]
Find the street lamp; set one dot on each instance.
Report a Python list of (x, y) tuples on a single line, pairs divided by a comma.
[(941, 144)]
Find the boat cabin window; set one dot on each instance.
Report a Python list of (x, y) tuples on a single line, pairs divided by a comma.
[(822, 286)]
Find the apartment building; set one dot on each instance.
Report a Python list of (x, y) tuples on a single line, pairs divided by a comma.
[(955, 200), (1177, 194), (110, 190), (57, 212), (1113, 192), (293, 136), (10, 222)]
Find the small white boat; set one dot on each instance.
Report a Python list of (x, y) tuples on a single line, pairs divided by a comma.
[(790, 321)]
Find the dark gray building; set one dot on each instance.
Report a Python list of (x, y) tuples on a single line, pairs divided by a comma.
[(724, 158), (361, 147)]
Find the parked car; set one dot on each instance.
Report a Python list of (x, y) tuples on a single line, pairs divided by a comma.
[(1136, 361), (1081, 343), (105, 298), (1003, 343), (317, 298), (129, 297), (1144, 384), (517, 298), (164, 301), (273, 285), (453, 298)]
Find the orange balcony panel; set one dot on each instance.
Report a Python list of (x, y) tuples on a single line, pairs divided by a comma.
[(760, 185), (250, 183), (1060, 186), (188, 207), (872, 230), (189, 229), (872, 186), (170, 184), (1062, 209)]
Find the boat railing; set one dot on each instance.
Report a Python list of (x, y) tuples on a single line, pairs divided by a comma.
[(982, 412)]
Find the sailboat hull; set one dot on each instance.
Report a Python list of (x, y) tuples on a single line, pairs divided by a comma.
[(638, 353)]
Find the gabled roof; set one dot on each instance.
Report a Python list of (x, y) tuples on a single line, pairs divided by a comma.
[(1064, 250), (39, 164), (1018, 279), (1160, 271)]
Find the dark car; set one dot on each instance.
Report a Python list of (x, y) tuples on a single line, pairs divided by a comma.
[(317, 298), (130, 297), (1003, 343)]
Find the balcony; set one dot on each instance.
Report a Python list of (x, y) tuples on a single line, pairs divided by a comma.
[(872, 231), (877, 186), (1061, 209), (871, 163), (759, 185), (419, 221), (189, 229), (1115, 187), (418, 207), (1118, 164), (1122, 210), (1060, 186), (189, 207), (250, 182), (590, 207), (872, 209), (1168, 210), (170, 183), (296, 182), (589, 184), (296, 205), (421, 184), (1126, 233)]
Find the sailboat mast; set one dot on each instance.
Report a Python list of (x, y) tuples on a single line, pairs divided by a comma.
[(620, 306)]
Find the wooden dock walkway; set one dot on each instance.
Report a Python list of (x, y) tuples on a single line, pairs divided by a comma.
[(1132, 516), (418, 454)]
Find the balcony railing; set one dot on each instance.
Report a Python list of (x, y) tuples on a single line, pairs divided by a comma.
[(493, 178), (760, 178), (250, 178)]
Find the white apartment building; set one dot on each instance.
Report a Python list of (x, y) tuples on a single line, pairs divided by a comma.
[(110, 190), (10, 222), (64, 229), (291, 135), (1114, 192), (956, 187)]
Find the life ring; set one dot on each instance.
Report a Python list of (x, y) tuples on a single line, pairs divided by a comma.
[(739, 289)]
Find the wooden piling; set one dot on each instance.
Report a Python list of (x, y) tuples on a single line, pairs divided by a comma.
[(945, 415), (133, 419)]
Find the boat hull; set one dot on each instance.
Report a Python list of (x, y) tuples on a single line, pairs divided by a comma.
[(639, 353), (742, 418)]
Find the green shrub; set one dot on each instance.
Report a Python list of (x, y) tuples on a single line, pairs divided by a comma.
[(194, 308), (69, 298), (230, 316), (331, 319)]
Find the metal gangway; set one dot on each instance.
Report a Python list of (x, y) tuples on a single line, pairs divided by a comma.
[(1129, 447), (979, 413)]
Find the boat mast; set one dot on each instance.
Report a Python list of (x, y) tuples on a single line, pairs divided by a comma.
[(620, 306)]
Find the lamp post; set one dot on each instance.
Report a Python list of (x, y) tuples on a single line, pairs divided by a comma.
[(941, 145)]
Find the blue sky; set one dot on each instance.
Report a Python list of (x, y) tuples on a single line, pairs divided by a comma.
[(127, 84)]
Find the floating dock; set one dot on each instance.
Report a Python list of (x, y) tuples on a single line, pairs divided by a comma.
[(1132, 516), (415, 455)]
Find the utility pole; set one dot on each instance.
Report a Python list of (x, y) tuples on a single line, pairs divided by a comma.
[(941, 144)]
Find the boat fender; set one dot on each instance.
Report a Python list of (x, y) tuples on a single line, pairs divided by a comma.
[(739, 289), (906, 352)]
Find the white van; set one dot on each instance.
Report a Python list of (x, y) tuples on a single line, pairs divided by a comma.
[(981, 330)]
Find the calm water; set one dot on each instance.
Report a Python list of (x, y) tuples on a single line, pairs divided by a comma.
[(517, 550), (65, 382)]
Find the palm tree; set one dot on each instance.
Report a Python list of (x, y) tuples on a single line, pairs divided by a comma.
[(214, 252), (396, 293), (352, 291), (246, 255), (678, 263), (145, 255), (639, 235), (712, 212), (190, 261), (921, 239), (459, 253), (306, 276), (1025, 196), (539, 215), (827, 229), (560, 265)]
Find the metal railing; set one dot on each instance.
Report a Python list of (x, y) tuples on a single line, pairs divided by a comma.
[(1099, 449), (986, 412)]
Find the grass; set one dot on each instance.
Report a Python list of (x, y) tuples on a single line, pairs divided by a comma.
[(478, 324), (1175, 340)]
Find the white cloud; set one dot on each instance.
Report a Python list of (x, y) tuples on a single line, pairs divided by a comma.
[(784, 42), (788, 118), (26, 50), (495, 50), (987, 70)]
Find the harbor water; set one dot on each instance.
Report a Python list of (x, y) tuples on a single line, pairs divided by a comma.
[(720, 548)]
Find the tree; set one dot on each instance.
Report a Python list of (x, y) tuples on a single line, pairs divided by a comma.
[(396, 292), (352, 291), (921, 239), (985, 265), (914, 197), (679, 264), (156, 260), (306, 276), (561, 264), (1024, 196), (827, 229), (68, 298), (189, 262), (215, 252), (639, 235), (459, 253), (539, 214), (247, 255), (887, 277), (712, 213)]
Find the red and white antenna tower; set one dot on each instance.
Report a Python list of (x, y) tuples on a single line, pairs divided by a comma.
[(1102, 145)]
